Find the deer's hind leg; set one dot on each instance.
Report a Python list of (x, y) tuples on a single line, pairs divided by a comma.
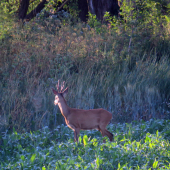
[(109, 134), (102, 131), (105, 132)]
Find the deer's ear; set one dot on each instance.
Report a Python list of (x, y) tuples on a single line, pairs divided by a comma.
[(65, 92), (54, 91)]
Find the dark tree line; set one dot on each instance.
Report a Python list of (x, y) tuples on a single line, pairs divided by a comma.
[(23, 8), (97, 7)]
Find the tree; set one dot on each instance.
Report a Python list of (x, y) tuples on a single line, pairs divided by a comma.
[(83, 7), (97, 7), (23, 8), (24, 4)]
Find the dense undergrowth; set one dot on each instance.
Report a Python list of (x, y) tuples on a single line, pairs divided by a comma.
[(139, 145), (122, 66)]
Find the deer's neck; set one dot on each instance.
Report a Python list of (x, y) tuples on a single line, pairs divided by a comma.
[(64, 108)]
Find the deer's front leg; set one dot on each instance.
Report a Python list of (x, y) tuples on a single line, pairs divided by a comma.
[(75, 129), (76, 134)]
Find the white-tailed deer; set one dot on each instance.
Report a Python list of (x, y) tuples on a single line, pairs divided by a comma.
[(78, 119)]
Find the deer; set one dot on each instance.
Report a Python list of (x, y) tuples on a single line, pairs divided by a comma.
[(79, 119)]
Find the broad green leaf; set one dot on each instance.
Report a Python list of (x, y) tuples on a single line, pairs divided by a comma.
[(147, 139), (33, 158), (155, 164), (22, 157), (98, 162), (119, 165), (150, 145), (85, 140), (80, 139), (95, 142), (168, 5), (157, 133)]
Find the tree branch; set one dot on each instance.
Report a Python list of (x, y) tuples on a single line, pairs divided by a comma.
[(62, 5), (35, 11)]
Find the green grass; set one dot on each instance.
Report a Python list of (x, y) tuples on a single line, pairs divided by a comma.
[(139, 145)]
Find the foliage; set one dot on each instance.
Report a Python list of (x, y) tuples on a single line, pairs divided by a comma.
[(9, 7), (93, 22), (142, 19), (71, 6), (9, 11), (143, 145), (6, 16)]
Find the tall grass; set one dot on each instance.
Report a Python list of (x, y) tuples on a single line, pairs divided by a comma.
[(122, 70)]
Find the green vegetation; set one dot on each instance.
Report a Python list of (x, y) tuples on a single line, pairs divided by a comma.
[(143, 145)]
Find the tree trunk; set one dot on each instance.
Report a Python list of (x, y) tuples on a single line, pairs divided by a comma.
[(99, 7), (23, 8), (83, 7)]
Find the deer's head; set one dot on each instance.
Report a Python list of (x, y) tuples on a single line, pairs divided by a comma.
[(59, 94)]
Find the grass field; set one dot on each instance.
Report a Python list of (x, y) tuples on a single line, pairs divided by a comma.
[(139, 145)]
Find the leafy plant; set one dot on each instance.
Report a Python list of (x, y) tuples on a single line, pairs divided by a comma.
[(31, 150)]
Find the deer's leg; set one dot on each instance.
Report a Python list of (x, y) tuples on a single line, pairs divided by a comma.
[(109, 134), (76, 134), (76, 131), (102, 132), (105, 132)]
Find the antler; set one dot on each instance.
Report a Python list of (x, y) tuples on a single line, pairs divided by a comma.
[(62, 86), (58, 85)]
